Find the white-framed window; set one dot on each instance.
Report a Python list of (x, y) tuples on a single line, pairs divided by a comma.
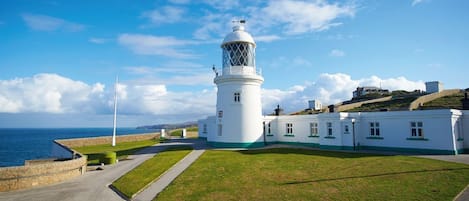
[(416, 129), (237, 97), (329, 128), (346, 129), (313, 129), (220, 129), (374, 129), (289, 128), (269, 130), (204, 130)]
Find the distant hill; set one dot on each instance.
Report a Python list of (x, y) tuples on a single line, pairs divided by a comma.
[(170, 126)]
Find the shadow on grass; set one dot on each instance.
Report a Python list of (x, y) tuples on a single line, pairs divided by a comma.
[(322, 153), (372, 175)]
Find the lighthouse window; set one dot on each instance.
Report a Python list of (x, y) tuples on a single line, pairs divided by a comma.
[(237, 97), (289, 128)]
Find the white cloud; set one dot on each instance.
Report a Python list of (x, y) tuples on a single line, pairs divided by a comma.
[(167, 14), (415, 2), (297, 17), (213, 25), (157, 45), (337, 53), (48, 23), (329, 89), (223, 4), (52, 93), (46, 93), (98, 40), (267, 38)]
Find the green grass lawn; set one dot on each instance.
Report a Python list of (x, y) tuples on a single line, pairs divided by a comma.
[(148, 171), (122, 149), (295, 174)]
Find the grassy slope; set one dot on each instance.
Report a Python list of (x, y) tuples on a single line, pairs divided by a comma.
[(290, 174), (448, 102), (138, 178), (122, 149), (395, 104)]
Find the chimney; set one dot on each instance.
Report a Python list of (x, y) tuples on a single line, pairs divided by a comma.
[(465, 102), (278, 111)]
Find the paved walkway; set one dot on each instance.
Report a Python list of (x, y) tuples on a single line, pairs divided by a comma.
[(94, 184)]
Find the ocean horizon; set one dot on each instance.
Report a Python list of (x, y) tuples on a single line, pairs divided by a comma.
[(20, 144)]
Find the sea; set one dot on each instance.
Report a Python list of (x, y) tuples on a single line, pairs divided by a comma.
[(20, 144)]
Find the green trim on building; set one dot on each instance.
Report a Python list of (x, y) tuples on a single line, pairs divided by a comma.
[(417, 139), (410, 150), (315, 136), (236, 144), (289, 135), (375, 138), (335, 147), (270, 135), (329, 137), (460, 139), (315, 145)]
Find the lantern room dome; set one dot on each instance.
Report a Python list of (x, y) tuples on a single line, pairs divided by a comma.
[(238, 35)]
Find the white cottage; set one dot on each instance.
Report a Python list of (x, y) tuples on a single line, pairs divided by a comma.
[(239, 122)]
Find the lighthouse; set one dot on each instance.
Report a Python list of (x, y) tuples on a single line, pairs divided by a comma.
[(239, 108)]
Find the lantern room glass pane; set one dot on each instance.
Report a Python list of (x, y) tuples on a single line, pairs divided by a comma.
[(238, 54)]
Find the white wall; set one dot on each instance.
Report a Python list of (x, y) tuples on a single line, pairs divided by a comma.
[(241, 121), (395, 129)]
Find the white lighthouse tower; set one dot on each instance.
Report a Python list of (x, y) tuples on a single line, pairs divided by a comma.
[(239, 107)]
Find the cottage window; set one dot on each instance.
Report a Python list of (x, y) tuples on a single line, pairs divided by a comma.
[(416, 129), (329, 128), (313, 129), (374, 129)]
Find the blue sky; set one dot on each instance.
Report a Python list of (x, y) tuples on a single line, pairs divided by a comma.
[(59, 59)]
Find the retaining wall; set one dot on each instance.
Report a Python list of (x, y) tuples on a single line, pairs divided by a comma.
[(69, 164), (41, 172), (79, 142)]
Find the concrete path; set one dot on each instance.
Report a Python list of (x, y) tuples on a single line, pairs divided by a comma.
[(159, 185), (94, 184)]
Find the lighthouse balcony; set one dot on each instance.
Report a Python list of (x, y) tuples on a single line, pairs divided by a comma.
[(241, 70)]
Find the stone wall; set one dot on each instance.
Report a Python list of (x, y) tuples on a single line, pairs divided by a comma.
[(79, 142), (42, 173), (49, 171)]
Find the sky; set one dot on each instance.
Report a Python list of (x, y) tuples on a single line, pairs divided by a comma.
[(59, 59)]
